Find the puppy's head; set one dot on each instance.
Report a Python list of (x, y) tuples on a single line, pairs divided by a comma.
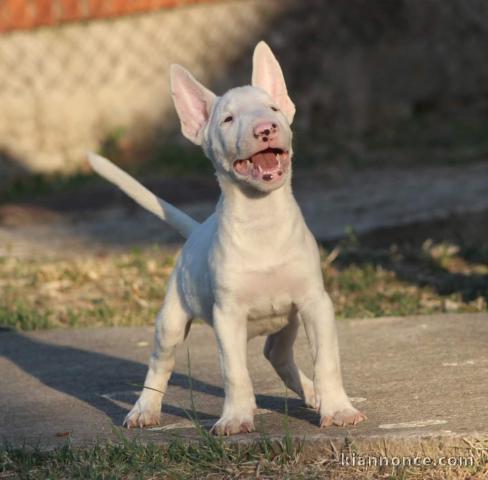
[(246, 132)]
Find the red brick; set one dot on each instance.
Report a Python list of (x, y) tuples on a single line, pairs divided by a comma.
[(96, 8), (43, 12), (70, 10), (15, 14), (26, 14), (119, 7)]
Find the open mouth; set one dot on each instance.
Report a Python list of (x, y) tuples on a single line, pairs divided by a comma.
[(268, 165)]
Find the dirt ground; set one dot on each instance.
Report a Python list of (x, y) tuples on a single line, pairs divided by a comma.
[(335, 202)]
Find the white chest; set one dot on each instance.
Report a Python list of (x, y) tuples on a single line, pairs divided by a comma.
[(271, 292)]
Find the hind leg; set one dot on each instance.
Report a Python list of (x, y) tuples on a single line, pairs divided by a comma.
[(278, 349), (172, 326)]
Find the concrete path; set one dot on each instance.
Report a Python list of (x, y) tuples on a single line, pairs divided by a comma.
[(416, 378)]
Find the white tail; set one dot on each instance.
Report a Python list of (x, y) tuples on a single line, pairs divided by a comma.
[(180, 221)]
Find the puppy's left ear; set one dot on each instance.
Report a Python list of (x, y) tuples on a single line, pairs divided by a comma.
[(267, 74)]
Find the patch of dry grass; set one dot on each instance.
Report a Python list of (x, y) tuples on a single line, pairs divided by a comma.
[(116, 289), (128, 288), (213, 458)]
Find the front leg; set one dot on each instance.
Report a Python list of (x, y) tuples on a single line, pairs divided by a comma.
[(230, 327), (319, 320), (172, 326)]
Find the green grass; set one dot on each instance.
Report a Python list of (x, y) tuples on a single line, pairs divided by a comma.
[(20, 316), (206, 458), (132, 459)]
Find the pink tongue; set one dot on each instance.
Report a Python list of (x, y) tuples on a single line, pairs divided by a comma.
[(266, 160)]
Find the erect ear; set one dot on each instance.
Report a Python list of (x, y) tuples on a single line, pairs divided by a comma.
[(267, 74), (193, 103)]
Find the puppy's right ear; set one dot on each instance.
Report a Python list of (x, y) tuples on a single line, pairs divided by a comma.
[(193, 103)]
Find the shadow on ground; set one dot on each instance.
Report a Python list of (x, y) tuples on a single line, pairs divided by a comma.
[(88, 375)]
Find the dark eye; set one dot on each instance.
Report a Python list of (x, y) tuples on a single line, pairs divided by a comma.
[(228, 119), (274, 108)]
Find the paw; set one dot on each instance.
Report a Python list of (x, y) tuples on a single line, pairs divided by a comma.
[(342, 418), (142, 417), (233, 426)]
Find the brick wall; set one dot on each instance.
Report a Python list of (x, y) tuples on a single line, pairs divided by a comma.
[(28, 14)]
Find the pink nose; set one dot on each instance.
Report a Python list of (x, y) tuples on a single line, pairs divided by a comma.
[(265, 130)]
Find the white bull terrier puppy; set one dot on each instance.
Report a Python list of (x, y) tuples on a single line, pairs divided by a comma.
[(252, 267)]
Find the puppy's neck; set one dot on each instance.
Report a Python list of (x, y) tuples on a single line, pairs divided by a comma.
[(246, 207)]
